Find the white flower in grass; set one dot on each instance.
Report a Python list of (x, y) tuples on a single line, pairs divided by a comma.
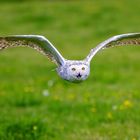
[(45, 92)]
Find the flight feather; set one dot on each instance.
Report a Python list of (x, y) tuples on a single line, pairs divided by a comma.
[(119, 40), (37, 42)]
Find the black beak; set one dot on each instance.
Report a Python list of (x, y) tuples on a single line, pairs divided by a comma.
[(79, 75)]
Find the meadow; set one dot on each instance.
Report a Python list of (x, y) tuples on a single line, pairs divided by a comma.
[(36, 104)]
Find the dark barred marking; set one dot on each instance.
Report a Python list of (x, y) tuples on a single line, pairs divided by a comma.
[(123, 42)]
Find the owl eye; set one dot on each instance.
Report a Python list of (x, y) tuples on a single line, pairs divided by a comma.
[(73, 69), (83, 68)]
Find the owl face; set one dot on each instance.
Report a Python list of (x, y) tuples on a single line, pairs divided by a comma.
[(74, 71), (77, 72)]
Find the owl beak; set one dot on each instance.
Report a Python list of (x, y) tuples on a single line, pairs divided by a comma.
[(79, 75)]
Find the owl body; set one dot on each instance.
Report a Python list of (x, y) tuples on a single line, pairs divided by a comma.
[(74, 70)]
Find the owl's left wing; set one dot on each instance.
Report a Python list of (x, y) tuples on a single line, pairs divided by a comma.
[(119, 40), (40, 43)]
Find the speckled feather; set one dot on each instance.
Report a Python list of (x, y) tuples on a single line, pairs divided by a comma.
[(31, 41), (119, 40)]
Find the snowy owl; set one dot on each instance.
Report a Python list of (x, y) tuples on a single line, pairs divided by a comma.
[(70, 70)]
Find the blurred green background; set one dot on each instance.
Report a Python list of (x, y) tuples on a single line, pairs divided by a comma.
[(35, 104)]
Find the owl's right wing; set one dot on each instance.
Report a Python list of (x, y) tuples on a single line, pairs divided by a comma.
[(40, 43), (119, 40)]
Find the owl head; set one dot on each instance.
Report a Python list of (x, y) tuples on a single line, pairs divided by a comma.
[(75, 71)]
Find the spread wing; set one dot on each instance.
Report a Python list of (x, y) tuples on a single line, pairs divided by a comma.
[(37, 42), (119, 40)]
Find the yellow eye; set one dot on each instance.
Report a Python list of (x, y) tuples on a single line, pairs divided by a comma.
[(73, 69), (83, 68)]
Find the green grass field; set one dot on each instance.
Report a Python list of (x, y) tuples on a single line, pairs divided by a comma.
[(35, 104)]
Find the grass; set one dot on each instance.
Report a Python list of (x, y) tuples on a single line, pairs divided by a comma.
[(36, 104)]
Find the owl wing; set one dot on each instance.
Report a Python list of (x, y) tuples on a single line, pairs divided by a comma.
[(119, 40), (40, 43)]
